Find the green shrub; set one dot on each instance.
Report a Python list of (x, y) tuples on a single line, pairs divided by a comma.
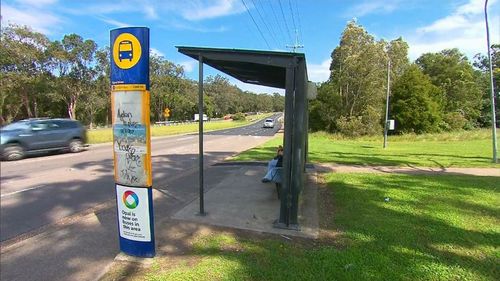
[(356, 126), (454, 121), (239, 116), (351, 126)]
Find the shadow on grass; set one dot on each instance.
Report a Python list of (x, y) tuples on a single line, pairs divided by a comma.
[(432, 228), (359, 159), (377, 159), (427, 229)]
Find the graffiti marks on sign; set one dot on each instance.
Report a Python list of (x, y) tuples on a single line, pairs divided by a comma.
[(129, 134)]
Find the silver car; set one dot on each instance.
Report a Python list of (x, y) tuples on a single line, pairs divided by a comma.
[(269, 123)]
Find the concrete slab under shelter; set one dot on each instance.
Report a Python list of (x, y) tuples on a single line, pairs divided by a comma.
[(242, 201)]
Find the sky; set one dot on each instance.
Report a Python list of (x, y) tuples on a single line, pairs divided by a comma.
[(317, 25)]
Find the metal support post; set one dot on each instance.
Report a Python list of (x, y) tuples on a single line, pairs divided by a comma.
[(493, 114), (200, 131), (386, 126), (284, 218), (298, 150)]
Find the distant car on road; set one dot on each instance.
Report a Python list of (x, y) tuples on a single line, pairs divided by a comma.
[(32, 136), (269, 123)]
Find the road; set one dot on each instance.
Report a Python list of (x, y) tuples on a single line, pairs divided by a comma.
[(45, 198), (39, 191)]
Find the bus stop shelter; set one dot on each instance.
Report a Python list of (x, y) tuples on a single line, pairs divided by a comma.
[(283, 70)]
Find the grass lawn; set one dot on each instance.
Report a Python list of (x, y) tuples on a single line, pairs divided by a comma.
[(463, 149), (106, 135), (432, 228)]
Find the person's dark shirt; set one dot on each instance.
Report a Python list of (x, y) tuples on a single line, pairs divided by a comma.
[(280, 161)]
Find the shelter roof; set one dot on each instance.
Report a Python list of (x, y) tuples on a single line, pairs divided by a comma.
[(266, 68)]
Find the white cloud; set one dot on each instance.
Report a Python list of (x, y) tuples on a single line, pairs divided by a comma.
[(37, 3), (113, 22), (464, 29), (156, 52), (30, 17), (196, 10), (474, 7), (150, 12), (461, 18), (373, 7), (191, 27), (188, 65), (100, 9), (445, 24), (319, 72)]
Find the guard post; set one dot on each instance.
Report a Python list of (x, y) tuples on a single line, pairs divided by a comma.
[(129, 60)]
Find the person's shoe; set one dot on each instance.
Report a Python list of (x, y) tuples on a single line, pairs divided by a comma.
[(265, 180)]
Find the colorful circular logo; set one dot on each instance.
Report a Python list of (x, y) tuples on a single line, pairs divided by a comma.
[(130, 199), (126, 51)]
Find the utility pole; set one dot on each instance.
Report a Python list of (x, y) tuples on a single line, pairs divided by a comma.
[(493, 116), (386, 128), (296, 45)]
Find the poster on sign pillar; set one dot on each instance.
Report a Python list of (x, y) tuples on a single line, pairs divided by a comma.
[(131, 139), (133, 213)]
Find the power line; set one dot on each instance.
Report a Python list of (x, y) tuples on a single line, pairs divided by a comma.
[(265, 24), (278, 23), (284, 19), (261, 34), (296, 45), (298, 19), (273, 23), (291, 12)]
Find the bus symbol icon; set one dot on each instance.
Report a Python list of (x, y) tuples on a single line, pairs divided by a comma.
[(125, 50)]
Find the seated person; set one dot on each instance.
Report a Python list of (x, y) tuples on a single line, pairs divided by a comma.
[(273, 165)]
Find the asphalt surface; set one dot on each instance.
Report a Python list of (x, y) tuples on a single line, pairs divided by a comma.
[(58, 212), (255, 129), (42, 190)]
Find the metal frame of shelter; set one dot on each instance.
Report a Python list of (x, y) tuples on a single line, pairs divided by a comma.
[(275, 69)]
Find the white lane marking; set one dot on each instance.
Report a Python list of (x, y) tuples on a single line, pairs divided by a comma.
[(22, 190)]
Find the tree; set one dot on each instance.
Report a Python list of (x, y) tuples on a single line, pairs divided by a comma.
[(278, 102), (355, 91), (357, 69), (483, 80), (451, 71), (167, 87), (397, 51), (23, 75), (325, 109), (39, 77), (72, 59), (98, 97), (413, 103), (223, 94)]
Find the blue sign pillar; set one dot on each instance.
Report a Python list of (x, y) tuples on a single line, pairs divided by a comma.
[(132, 139)]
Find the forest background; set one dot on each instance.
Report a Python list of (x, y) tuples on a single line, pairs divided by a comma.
[(444, 91)]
